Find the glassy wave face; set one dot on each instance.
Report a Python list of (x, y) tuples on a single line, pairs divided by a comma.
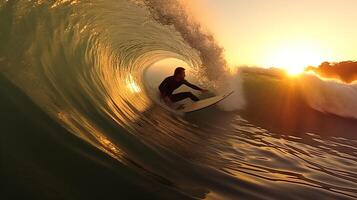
[(82, 63)]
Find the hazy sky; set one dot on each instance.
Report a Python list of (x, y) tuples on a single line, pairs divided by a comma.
[(281, 32)]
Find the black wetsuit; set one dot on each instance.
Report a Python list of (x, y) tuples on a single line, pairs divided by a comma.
[(170, 84)]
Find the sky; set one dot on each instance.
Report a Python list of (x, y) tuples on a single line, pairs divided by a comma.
[(289, 34)]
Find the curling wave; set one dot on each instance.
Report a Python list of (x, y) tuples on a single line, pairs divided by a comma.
[(82, 63)]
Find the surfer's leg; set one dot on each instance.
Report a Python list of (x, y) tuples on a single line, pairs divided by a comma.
[(193, 97), (183, 95)]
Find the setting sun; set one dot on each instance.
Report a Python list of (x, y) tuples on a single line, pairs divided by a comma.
[(290, 34), (294, 58)]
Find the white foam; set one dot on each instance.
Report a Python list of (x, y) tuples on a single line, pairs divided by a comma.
[(329, 95), (232, 82)]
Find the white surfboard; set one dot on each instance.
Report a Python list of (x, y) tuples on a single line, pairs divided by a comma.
[(198, 105)]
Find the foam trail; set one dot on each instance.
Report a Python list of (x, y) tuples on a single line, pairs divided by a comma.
[(329, 96)]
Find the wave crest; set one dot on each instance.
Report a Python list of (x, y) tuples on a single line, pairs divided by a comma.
[(329, 95)]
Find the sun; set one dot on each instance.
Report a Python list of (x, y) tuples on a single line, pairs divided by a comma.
[(294, 71), (294, 58)]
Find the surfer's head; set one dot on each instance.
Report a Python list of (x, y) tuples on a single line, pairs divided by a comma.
[(179, 73)]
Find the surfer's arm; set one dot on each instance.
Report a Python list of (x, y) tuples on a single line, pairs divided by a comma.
[(192, 85)]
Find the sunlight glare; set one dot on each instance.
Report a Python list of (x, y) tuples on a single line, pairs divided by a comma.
[(132, 85), (294, 58)]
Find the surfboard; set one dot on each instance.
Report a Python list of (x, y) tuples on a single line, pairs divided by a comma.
[(198, 105)]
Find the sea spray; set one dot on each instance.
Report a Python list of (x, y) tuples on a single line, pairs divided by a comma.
[(214, 70), (213, 64), (329, 95), (232, 82)]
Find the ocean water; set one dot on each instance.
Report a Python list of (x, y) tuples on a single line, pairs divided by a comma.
[(78, 120)]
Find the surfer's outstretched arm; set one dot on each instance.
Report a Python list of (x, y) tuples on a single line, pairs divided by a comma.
[(195, 87)]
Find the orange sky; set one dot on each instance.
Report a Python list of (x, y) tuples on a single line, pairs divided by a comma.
[(283, 33)]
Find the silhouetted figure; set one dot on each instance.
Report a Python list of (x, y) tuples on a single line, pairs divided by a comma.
[(171, 83)]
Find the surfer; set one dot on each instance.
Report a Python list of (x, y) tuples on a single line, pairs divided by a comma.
[(171, 83)]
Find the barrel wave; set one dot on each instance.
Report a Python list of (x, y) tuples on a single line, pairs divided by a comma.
[(79, 121)]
